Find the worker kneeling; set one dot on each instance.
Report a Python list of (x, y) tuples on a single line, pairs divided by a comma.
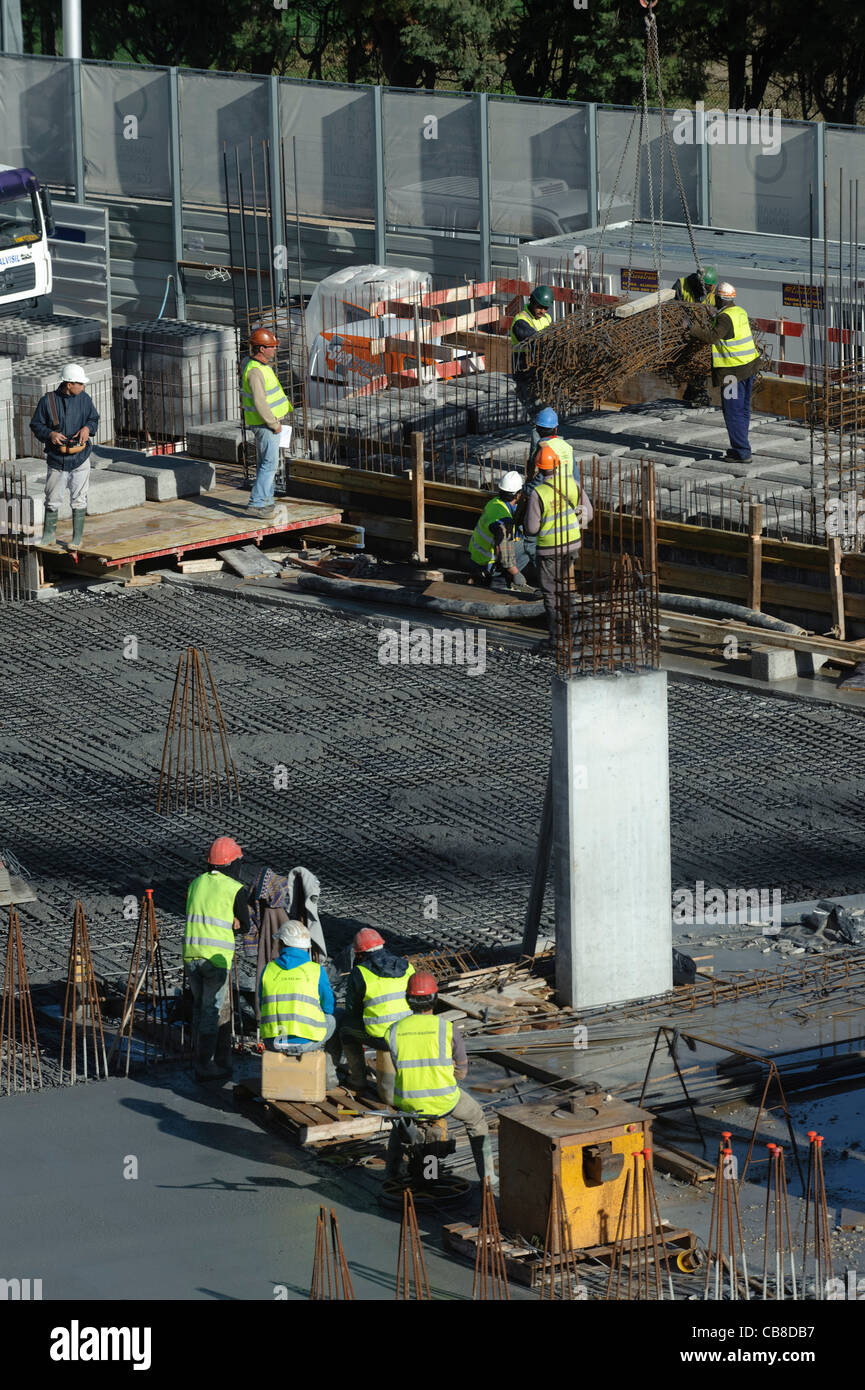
[(374, 999), (296, 998), (429, 1057), (495, 548)]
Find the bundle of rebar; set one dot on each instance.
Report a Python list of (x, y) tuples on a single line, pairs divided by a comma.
[(16, 515), (330, 1276), (491, 1280), (82, 998), (726, 1244), (146, 982), (411, 1278), (817, 1220), (190, 773), (639, 1245), (559, 1276), (777, 1238), (20, 1065), (606, 597), (577, 357)]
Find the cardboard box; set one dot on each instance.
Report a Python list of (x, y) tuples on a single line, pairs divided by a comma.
[(293, 1078)]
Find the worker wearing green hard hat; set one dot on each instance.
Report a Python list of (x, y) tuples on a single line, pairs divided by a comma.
[(531, 320), (698, 288)]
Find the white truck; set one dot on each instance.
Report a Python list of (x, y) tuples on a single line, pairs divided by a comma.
[(26, 222)]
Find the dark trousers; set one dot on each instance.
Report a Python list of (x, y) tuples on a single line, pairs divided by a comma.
[(736, 406), (547, 563)]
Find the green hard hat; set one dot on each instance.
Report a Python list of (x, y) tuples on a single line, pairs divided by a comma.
[(710, 275), (543, 295)]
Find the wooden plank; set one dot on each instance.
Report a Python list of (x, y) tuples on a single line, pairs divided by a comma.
[(417, 493), (646, 301), (718, 628), (207, 566), (681, 1164), (341, 1129), (836, 585)]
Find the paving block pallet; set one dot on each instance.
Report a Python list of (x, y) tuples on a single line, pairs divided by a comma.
[(339, 1117), (524, 1263)]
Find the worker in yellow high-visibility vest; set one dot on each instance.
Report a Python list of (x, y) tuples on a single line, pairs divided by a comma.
[(697, 288), (217, 906), (265, 408), (531, 320), (557, 510), (735, 362)]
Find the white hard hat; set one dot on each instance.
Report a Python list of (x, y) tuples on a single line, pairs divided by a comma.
[(511, 482), (72, 372), (725, 290), (294, 934)]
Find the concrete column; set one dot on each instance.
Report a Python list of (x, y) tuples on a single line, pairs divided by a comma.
[(611, 838)]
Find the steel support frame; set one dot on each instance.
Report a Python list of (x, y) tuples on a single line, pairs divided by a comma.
[(176, 169), (485, 249), (77, 132), (378, 135)]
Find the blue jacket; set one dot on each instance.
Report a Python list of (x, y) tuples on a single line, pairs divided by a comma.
[(288, 959), (72, 413)]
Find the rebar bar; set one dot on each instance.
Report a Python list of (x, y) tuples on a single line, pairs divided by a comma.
[(190, 745), (330, 1274), (559, 1275), (491, 1280), (82, 997), (725, 1244), (411, 1276), (146, 979), (817, 1219), (639, 1245), (19, 1047)]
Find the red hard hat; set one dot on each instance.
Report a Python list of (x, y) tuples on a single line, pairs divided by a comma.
[(224, 851), (262, 337), (421, 985), (547, 459), (367, 939)]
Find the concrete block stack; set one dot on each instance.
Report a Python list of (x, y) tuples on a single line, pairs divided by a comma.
[(219, 441), (180, 375), (35, 335), (7, 432), (33, 376), (165, 477), (108, 491)]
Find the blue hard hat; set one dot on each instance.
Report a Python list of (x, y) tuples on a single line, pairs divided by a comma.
[(547, 418)]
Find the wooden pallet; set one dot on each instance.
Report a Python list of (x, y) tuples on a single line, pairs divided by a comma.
[(524, 1264), (339, 1117)]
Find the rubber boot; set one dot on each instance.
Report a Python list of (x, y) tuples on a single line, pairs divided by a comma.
[(482, 1153), (49, 529), (393, 1157), (222, 1054), (78, 515), (205, 1067)]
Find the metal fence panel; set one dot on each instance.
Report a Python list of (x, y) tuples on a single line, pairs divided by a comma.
[(214, 111), (539, 168), (36, 118), (333, 130), (126, 137), (845, 156), (80, 260), (755, 190), (614, 129), (432, 166)]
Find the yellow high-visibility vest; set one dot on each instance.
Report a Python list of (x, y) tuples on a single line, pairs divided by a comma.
[(526, 316), (560, 523), (738, 350), (290, 1006), (210, 919), (277, 400), (384, 1002), (482, 546), (421, 1048)]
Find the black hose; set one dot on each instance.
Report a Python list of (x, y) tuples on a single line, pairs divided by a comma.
[(411, 598), (716, 608)]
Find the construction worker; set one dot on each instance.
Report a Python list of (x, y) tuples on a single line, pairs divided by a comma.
[(697, 288), (217, 907), (429, 1058), (546, 431), (65, 421), (557, 509), (374, 999), (494, 548), (735, 363), (295, 997), (531, 320), (265, 407)]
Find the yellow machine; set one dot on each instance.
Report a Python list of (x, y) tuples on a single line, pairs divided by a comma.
[(586, 1142)]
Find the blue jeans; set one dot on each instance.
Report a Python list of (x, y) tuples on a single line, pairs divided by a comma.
[(267, 457), (737, 414)]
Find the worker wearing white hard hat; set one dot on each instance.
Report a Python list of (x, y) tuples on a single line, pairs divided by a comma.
[(494, 548), (65, 421), (736, 361), (297, 1010)]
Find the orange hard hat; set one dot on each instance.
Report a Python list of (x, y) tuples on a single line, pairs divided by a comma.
[(262, 337), (367, 939), (224, 850), (422, 985), (547, 459)]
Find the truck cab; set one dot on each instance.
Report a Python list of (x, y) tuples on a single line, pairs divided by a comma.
[(26, 222)]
